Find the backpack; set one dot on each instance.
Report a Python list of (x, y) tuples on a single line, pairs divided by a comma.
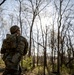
[(14, 43), (10, 42)]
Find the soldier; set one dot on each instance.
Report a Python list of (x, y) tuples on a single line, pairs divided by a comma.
[(14, 51)]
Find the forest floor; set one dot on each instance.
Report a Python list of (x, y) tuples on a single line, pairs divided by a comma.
[(25, 73)]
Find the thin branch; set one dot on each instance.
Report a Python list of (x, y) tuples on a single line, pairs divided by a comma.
[(65, 7), (2, 2)]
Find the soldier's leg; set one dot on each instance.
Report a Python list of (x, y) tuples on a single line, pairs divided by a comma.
[(20, 70), (5, 72), (17, 72), (11, 72)]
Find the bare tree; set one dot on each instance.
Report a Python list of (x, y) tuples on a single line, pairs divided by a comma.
[(36, 10), (62, 21), (20, 1), (37, 45)]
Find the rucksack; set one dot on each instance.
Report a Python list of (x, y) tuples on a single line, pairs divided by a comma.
[(14, 43), (10, 42)]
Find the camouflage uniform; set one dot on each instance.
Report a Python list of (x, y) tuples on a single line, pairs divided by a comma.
[(13, 57)]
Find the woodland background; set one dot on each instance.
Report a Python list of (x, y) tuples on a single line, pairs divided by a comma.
[(48, 26)]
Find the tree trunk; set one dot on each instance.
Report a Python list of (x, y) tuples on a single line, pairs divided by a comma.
[(33, 53), (31, 34), (45, 49), (58, 59)]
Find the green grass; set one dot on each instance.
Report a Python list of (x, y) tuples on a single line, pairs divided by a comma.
[(1, 64)]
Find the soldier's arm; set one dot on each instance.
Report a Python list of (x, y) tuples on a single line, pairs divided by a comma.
[(3, 50)]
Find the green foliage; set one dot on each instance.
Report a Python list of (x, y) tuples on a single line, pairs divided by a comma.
[(40, 70), (27, 63), (1, 64), (72, 69), (65, 70), (1, 61), (49, 67), (55, 67)]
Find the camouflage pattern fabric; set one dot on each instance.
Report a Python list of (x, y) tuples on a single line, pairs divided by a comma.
[(12, 72), (22, 45), (12, 55), (14, 44), (19, 50), (10, 42)]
